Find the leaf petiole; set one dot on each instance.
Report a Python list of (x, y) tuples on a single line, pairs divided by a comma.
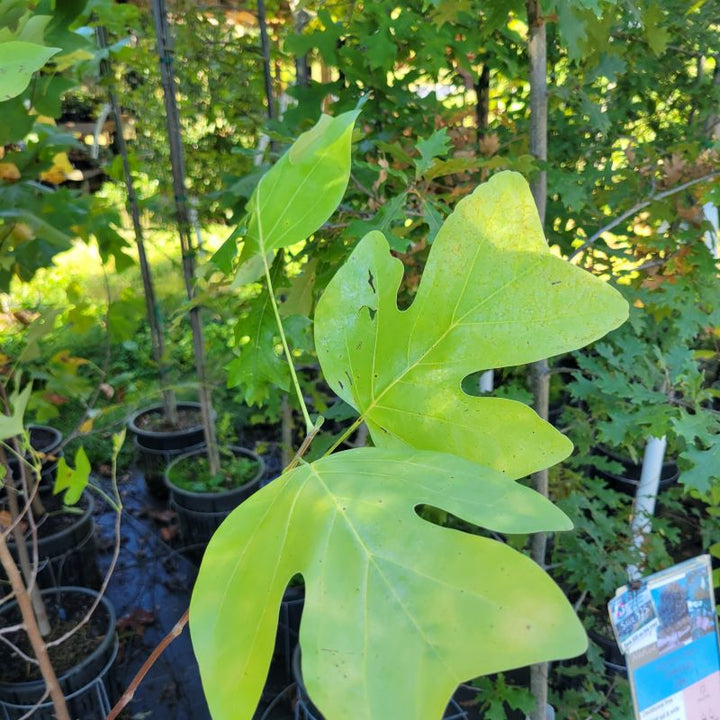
[(344, 436), (309, 425), (306, 443)]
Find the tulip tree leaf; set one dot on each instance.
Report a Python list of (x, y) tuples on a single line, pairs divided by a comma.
[(72, 480), (12, 425), (300, 192), (18, 61), (492, 295), (398, 611)]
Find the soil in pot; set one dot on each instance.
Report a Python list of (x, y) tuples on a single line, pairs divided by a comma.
[(66, 547), (83, 663), (64, 612), (153, 421), (200, 513), (154, 463), (154, 432), (193, 473)]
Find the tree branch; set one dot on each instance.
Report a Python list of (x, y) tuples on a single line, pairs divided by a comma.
[(33, 632), (128, 695), (635, 209)]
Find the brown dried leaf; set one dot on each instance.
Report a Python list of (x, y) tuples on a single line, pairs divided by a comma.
[(169, 532), (674, 169), (136, 621), (490, 144)]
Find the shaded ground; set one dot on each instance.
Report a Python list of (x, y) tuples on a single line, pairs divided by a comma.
[(150, 591)]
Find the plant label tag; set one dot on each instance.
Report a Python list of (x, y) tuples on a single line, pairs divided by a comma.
[(667, 629)]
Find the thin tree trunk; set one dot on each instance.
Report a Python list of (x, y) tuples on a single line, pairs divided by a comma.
[(165, 56), (267, 70), (537, 51), (22, 596), (151, 305), (482, 90), (712, 121), (302, 67)]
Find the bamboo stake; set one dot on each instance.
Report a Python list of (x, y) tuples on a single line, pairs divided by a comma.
[(151, 305), (177, 160)]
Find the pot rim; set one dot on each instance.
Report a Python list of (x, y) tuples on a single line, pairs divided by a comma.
[(137, 444), (66, 531), (53, 447), (236, 449), (108, 638), (618, 456), (134, 428)]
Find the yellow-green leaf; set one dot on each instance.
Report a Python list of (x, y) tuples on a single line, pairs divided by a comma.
[(398, 611), (18, 61), (492, 295)]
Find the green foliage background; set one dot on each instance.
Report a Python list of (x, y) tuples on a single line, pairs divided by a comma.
[(634, 108)]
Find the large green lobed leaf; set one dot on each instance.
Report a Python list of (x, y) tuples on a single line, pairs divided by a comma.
[(398, 611), (492, 295)]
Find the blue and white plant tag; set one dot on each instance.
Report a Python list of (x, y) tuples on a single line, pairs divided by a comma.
[(666, 626)]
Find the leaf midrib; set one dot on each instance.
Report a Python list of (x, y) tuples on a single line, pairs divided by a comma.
[(375, 399), (340, 511), (300, 186)]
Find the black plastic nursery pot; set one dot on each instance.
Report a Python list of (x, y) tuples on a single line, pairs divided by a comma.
[(90, 686), (305, 710), (629, 479), (288, 631), (154, 463), (68, 555), (201, 514), (613, 659), (168, 440), (46, 441)]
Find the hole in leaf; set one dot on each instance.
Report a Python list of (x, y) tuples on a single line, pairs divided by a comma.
[(289, 617), (445, 519)]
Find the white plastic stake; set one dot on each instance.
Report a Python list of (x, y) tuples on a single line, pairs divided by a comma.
[(487, 381), (711, 236), (646, 494)]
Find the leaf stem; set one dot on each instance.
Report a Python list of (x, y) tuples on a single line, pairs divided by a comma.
[(306, 443), (344, 436), (309, 425), (128, 695)]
